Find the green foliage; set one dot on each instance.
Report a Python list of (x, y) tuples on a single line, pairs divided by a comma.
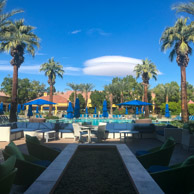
[(48, 90), (178, 124), (27, 90), (190, 92), (51, 117), (81, 100), (97, 98), (189, 126), (120, 111), (191, 109), (174, 107)]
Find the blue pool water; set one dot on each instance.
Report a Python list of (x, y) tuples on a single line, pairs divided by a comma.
[(93, 121)]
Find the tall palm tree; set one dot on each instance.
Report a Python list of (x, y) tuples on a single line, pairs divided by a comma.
[(121, 86), (52, 69), (178, 38), (86, 88), (110, 89), (146, 70), (5, 16), (20, 38), (184, 7), (75, 88)]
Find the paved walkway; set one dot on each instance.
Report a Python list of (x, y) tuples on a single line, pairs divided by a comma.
[(179, 154)]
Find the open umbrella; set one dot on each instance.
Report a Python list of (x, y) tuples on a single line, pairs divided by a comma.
[(104, 109), (134, 103), (167, 113), (140, 110), (30, 111), (1, 108), (39, 102), (136, 112), (19, 108), (126, 111), (95, 111), (77, 108), (70, 111), (37, 111), (23, 107)]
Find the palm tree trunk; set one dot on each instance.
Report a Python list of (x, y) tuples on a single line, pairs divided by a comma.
[(51, 99), (184, 107), (111, 99), (146, 100), (13, 111), (166, 98)]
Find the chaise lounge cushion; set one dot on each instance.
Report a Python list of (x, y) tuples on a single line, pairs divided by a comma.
[(188, 161), (169, 142), (49, 126), (144, 128), (32, 139), (120, 126), (34, 126), (21, 124)]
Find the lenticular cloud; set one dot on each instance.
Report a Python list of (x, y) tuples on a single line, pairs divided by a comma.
[(111, 66)]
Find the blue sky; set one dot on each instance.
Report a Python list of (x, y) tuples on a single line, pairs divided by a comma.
[(97, 40)]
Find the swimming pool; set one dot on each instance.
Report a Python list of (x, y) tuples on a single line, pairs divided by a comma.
[(94, 121)]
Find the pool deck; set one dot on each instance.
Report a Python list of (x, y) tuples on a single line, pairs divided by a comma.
[(179, 154)]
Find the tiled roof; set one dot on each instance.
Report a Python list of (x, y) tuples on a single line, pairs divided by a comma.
[(56, 99), (3, 94), (67, 94)]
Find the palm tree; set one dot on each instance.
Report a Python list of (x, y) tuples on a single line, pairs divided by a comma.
[(86, 88), (20, 38), (52, 69), (75, 88), (184, 7), (178, 38), (5, 16), (110, 89), (146, 70)]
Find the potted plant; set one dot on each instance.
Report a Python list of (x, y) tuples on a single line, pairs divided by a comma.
[(188, 135)]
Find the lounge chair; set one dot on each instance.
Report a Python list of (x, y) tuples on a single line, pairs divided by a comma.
[(29, 167), (177, 178), (7, 174), (36, 149), (157, 156)]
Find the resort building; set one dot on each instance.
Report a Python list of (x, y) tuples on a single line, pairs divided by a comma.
[(5, 99)]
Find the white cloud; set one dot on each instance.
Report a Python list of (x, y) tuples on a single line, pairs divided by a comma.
[(3, 62), (75, 31), (72, 69), (98, 31), (40, 54), (111, 66)]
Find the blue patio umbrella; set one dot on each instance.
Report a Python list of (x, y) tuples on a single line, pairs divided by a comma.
[(134, 103), (19, 108), (95, 111), (167, 113), (86, 110), (70, 111), (23, 107), (37, 111), (140, 110), (136, 112), (77, 108), (30, 111), (104, 109), (39, 102), (1, 108), (9, 107), (126, 111)]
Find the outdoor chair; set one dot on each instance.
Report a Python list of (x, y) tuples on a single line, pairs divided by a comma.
[(36, 149), (157, 156), (177, 179), (101, 132), (29, 167), (7, 174)]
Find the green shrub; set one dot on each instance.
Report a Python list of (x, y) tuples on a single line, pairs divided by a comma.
[(189, 126), (191, 109), (174, 107), (178, 124), (51, 117), (120, 111)]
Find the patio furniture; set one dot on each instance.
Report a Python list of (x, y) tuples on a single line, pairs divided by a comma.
[(157, 156), (101, 132), (86, 132), (127, 133), (7, 174), (28, 169), (36, 149), (45, 134), (178, 178)]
